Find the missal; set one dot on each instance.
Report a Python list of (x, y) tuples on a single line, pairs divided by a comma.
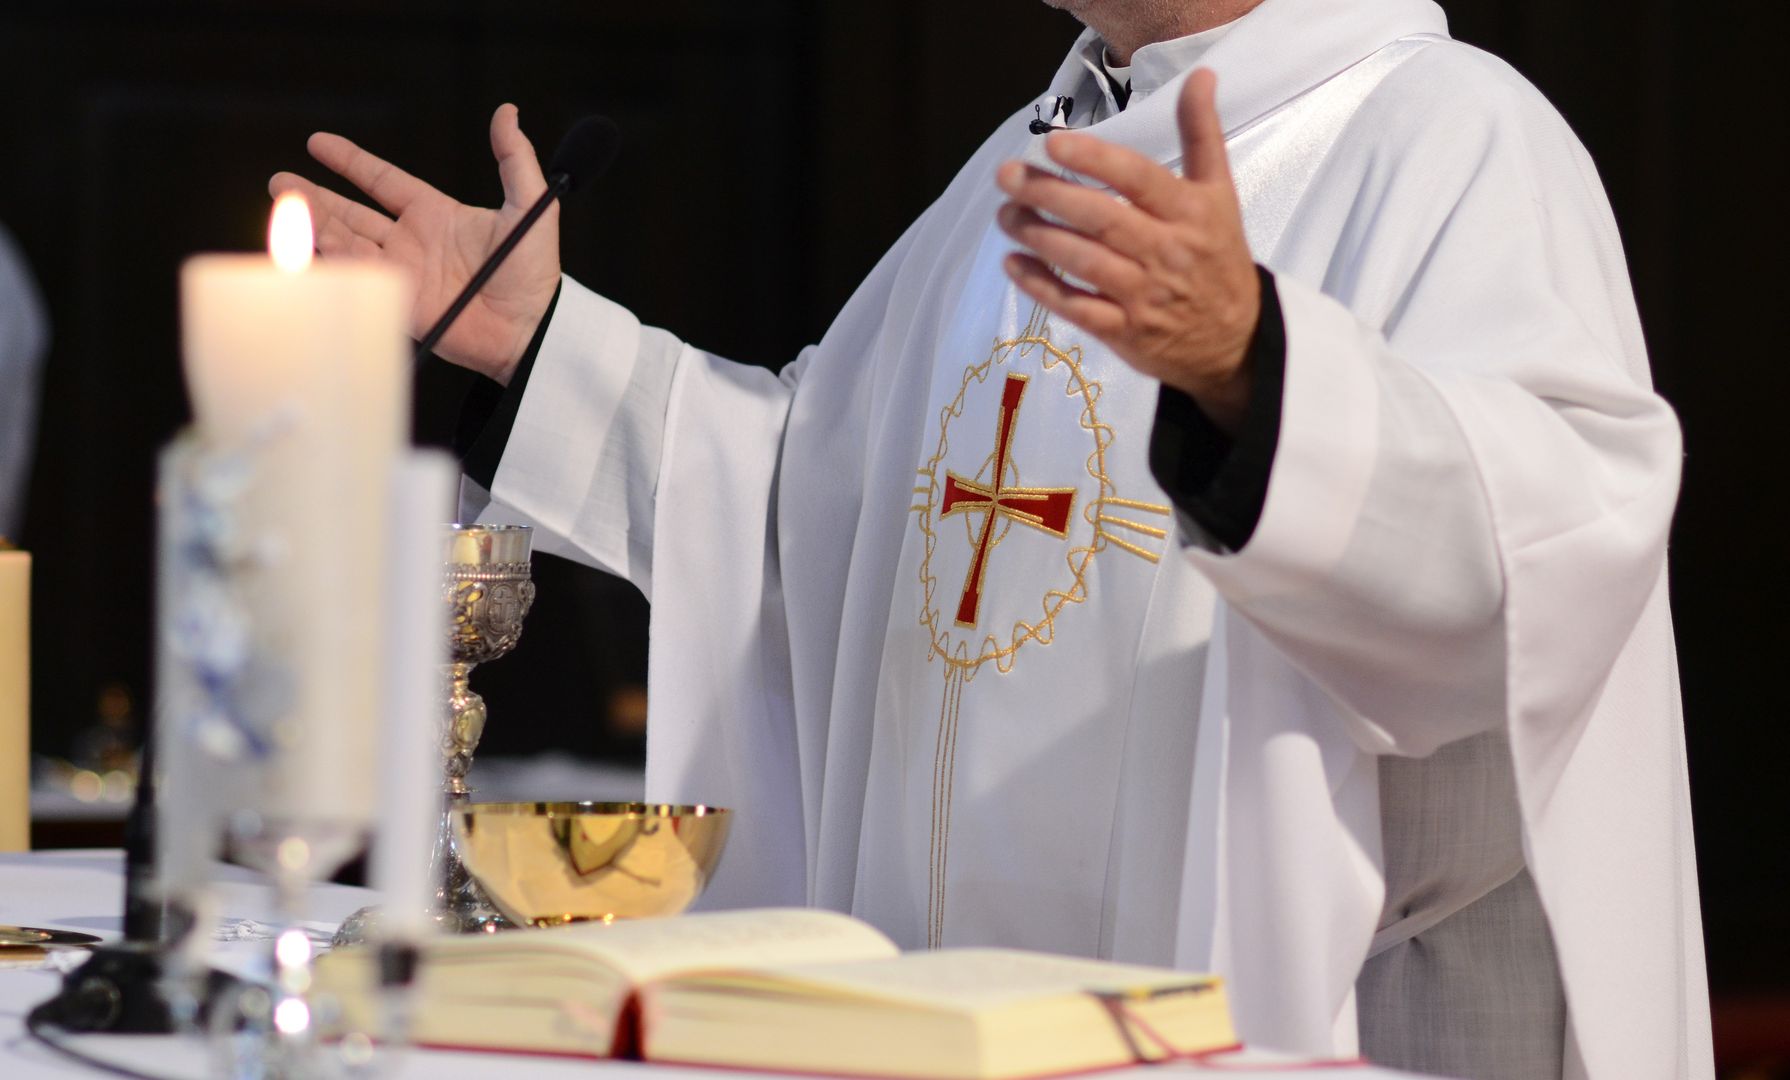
[(792, 990)]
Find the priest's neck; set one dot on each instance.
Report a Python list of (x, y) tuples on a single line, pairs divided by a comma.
[(1128, 25)]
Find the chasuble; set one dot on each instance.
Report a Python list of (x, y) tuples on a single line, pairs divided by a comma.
[(926, 618)]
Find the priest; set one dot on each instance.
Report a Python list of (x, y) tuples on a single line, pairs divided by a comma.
[(1227, 534)]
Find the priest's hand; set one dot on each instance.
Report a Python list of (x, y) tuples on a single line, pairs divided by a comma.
[(1172, 286), (440, 242)]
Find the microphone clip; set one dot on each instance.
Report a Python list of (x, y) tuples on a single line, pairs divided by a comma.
[(1060, 108)]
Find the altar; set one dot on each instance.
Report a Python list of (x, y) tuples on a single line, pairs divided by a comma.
[(83, 891)]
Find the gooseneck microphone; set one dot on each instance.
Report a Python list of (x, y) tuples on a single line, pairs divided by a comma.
[(585, 153)]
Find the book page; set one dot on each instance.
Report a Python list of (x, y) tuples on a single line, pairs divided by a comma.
[(967, 979), (648, 949)]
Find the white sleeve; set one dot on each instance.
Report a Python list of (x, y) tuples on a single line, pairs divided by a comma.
[(1471, 495), (583, 459)]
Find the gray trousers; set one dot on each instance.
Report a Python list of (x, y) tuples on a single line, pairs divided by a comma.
[(1477, 996), (1462, 980)]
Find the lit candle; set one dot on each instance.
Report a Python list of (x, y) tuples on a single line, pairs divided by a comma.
[(15, 700), (305, 369)]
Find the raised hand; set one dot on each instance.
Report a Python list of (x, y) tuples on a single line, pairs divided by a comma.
[(440, 241), (1173, 290)]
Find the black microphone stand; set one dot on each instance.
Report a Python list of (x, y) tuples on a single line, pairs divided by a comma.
[(119, 988)]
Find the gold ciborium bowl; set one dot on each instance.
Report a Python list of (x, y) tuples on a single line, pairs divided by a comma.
[(548, 864)]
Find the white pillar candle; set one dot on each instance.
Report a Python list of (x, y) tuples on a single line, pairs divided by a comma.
[(15, 701), (306, 367), (425, 486)]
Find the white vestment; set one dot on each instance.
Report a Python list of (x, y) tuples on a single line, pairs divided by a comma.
[(922, 616)]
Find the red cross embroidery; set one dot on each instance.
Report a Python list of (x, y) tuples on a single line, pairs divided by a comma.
[(1044, 509)]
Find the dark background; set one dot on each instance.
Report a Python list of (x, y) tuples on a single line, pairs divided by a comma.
[(773, 148)]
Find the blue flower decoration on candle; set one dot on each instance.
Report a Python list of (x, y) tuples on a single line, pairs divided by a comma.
[(239, 693)]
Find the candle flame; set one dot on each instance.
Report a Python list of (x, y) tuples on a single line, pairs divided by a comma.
[(289, 236)]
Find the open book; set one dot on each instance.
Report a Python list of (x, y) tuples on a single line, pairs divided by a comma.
[(793, 990)]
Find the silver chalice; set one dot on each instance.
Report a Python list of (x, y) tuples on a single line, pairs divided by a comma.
[(488, 588)]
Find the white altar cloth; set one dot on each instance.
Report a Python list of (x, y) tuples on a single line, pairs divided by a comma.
[(83, 891)]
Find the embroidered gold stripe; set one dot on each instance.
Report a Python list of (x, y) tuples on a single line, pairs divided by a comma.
[(1154, 508), (1143, 553), (944, 768), (1147, 530)]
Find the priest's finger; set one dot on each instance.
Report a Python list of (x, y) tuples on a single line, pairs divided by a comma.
[(325, 203), (1096, 214), (1150, 186), (1093, 313), (385, 183), (1089, 260), (517, 164), (1202, 133)]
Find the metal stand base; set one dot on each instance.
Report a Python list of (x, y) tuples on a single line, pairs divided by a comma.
[(461, 907), (117, 990)]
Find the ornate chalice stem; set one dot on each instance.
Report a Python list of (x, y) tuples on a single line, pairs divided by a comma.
[(466, 722)]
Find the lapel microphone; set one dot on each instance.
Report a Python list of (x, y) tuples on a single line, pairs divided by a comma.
[(584, 153), (1060, 108)]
